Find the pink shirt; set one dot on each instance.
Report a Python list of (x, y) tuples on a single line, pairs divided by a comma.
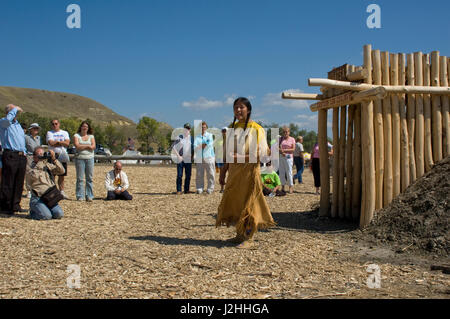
[(288, 143), (315, 153)]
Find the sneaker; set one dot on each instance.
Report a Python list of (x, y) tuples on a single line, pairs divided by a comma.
[(199, 191), (88, 199), (209, 192), (64, 195)]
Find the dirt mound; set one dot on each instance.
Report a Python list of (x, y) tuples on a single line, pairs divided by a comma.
[(419, 218)]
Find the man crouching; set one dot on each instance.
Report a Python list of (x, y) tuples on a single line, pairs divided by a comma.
[(40, 177), (116, 183)]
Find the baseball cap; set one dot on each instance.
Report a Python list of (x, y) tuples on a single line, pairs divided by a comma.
[(34, 125), (187, 125)]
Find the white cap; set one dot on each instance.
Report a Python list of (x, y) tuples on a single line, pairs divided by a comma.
[(34, 125)]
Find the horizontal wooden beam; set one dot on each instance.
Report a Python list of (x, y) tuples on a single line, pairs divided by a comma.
[(357, 75), (378, 92), (399, 89), (349, 98), (301, 96)]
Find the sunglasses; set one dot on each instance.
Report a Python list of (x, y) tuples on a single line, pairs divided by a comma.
[(55, 123)]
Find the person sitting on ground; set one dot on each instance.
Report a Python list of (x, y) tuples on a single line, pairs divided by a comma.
[(40, 176), (116, 183), (271, 182)]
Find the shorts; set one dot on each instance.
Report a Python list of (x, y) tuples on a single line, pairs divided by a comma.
[(65, 169)]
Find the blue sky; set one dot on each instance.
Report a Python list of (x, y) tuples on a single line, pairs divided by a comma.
[(180, 61)]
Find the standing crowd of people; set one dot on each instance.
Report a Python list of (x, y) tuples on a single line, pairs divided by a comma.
[(243, 183), (25, 161)]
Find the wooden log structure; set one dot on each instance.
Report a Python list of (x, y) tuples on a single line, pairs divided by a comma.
[(349, 163), (404, 136), (411, 115), (420, 123), (395, 128), (445, 107), (355, 86), (368, 149), (436, 116), (387, 132), (301, 96), (357, 75), (428, 149), (341, 162), (357, 160), (336, 150), (379, 137), (390, 126), (324, 165)]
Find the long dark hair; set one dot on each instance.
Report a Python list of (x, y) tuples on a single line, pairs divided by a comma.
[(90, 130), (247, 103)]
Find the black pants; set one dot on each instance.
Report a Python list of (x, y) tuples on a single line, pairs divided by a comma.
[(13, 177), (123, 196), (316, 171)]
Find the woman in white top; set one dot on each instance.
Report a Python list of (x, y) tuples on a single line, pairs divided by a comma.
[(84, 142)]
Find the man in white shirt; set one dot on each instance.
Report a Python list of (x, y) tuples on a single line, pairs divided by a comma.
[(205, 160), (58, 140), (116, 183)]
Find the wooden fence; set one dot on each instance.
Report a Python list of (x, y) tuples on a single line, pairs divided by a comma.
[(390, 125)]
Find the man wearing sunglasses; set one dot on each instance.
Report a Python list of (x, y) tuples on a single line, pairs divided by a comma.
[(58, 140)]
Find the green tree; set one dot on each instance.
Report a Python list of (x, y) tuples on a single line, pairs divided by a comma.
[(148, 133)]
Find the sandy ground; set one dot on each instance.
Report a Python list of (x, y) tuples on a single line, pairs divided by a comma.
[(162, 245)]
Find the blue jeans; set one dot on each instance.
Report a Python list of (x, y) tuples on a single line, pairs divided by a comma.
[(85, 169), (40, 211), (299, 164), (187, 179)]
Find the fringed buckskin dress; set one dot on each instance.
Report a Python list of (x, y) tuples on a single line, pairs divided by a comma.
[(243, 204)]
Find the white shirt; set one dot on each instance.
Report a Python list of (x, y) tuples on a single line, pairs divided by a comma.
[(59, 136), (113, 181)]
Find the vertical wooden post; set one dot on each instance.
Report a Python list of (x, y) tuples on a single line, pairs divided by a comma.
[(445, 108), (368, 149), (387, 126), (404, 137), (379, 135), (324, 165), (436, 116), (357, 160), (395, 129), (411, 113), (335, 196), (420, 134), (349, 163), (428, 150), (342, 137)]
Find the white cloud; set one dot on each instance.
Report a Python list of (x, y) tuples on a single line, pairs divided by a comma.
[(203, 103), (274, 99)]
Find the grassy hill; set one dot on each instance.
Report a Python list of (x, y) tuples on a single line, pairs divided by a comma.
[(61, 105)]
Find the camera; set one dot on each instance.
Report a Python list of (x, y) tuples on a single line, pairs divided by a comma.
[(46, 156)]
